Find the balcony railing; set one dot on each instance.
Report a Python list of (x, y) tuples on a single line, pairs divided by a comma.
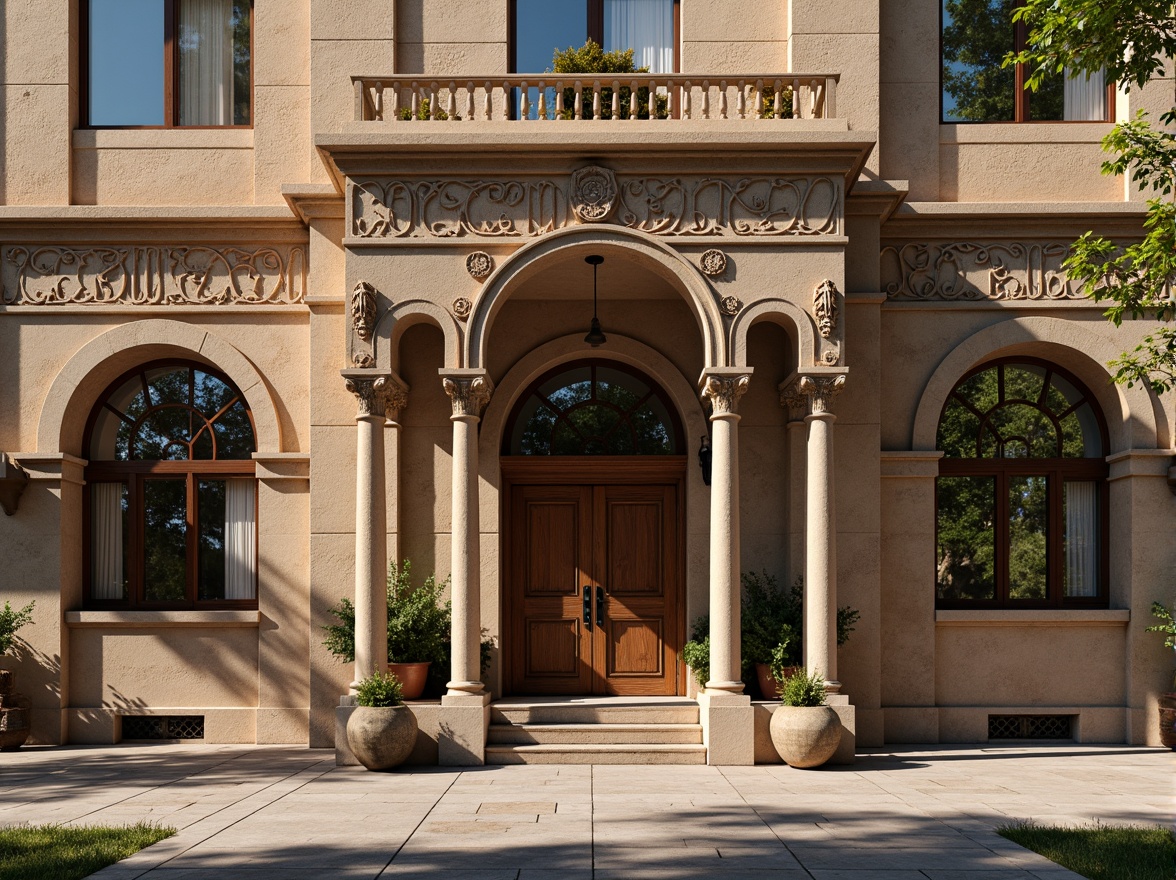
[(552, 97)]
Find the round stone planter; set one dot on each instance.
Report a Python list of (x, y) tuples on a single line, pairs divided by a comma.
[(805, 736), (412, 678), (381, 738), (1168, 720)]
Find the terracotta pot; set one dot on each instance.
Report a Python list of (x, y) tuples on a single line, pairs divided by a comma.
[(1168, 720), (382, 738), (412, 678), (768, 685), (805, 736)]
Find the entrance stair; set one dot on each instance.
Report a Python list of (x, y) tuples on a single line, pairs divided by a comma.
[(595, 730)]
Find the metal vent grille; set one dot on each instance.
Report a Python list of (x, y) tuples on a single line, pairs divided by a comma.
[(163, 727), (1030, 727)]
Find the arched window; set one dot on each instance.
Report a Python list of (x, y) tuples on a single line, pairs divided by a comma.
[(171, 496), (593, 408), (1021, 495)]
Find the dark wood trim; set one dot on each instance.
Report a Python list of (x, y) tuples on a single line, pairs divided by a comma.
[(595, 25), (593, 469)]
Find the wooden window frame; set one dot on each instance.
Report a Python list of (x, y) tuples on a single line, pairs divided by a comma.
[(1058, 471), (134, 474), (171, 65)]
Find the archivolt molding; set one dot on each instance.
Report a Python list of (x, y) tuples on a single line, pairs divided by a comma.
[(100, 361), (977, 270), (34, 275), (407, 313), (796, 321)]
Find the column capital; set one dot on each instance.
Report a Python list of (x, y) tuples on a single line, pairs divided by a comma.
[(821, 390), (722, 387), (468, 390), (377, 394), (794, 400)]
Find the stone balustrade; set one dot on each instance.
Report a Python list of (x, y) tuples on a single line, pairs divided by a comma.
[(554, 97)]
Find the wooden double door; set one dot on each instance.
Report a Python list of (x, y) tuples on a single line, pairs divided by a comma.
[(594, 586)]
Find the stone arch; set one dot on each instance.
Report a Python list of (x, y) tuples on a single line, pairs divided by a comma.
[(1131, 416), (658, 257), (797, 323), (103, 359), (403, 315)]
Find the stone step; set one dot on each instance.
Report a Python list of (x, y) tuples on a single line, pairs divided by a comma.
[(602, 711), (596, 754), (590, 734)]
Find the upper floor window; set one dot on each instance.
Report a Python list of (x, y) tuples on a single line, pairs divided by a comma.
[(648, 27), (1021, 494), (171, 496), (168, 63), (976, 36)]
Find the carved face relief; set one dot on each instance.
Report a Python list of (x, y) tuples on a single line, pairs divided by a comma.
[(363, 360), (825, 308), (363, 309), (594, 193)]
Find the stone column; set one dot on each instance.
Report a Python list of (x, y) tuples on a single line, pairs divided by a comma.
[(820, 581), (797, 405)]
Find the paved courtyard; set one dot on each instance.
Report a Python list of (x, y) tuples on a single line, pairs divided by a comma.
[(915, 813)]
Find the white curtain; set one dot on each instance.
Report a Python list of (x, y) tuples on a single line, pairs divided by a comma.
[(1085, 99), (240, 539), (1081, 539), (106, 541), (206, 62), (646, 27)]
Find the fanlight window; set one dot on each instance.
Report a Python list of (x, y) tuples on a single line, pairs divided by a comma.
[(172, 502), (1021, 493), (594, 409)]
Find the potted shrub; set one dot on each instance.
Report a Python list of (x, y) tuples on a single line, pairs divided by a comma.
[(805, 731), (381, 731), (1167, 626), (696, 652), (14, 709)]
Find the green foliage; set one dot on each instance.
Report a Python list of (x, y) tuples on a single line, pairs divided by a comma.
[(976, 37), (423, 112), (803, 689), (58, 852), (1168, 627), (696, 655), (10, 621), (1101, 852), (379, 690), (591, 58)]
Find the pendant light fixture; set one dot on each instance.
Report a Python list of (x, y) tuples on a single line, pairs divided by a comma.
[(595, 337)]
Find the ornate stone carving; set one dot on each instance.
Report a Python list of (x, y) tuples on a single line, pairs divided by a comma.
[(370, 393), (821, 390), (479, 264), (395, 399), (363, 309), (825, 307), (713, 262), (794, 400), (469, 396), (152, 276), (832, 356), (363, 360), (594, 193), (462, 307), (731, 305), (967, 270), (690, 205), (723, 392)]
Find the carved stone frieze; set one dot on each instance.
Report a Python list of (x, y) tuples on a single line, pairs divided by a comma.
[(479, 264), (713, 262), (820, 391), (972, 270), (688, 205), (730, 305), (469, 395), (594, 193), (723, 392), (462, 308), (363, 309), (152, 276), (825, 307)]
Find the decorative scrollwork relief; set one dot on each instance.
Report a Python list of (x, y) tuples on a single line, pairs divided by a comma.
[(968, 270), (825, 307), (462, 307), (730, 305), (152, 276), (690, 205), (594, 193), (363, 309), (479, 264), (713, 262)]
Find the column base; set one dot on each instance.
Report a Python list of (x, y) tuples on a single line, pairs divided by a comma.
[(847, 751), (465, 724), (728, 728)]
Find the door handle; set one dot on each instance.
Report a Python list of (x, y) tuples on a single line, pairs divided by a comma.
[(587, 606), (600, 607)]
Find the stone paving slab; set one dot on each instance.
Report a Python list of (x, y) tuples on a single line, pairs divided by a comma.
[(914, 813)]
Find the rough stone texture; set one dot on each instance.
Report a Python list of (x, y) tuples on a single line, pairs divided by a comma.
[(805, 736), (381, 738)]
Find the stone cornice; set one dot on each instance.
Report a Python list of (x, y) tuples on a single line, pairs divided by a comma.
[(78, 225)]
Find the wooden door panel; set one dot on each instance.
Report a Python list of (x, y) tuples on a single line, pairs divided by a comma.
[(553, 565), (553, 649), (634, 541), (634, 647)]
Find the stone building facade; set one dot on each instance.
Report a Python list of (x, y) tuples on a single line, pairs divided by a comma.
[(258, 343)]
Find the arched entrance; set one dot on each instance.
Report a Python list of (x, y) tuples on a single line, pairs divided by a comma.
[(593, 466)]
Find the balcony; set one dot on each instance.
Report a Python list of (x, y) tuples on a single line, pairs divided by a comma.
[(549, 97)]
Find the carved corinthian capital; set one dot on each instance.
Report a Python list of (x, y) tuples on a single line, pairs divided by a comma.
[(794, 400), (468, 393), (723, 390), (370, 393), (821, 390)]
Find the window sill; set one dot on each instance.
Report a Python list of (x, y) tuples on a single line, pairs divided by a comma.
[(1023, 132), (1036, 617), (163, 138), (156, 619)]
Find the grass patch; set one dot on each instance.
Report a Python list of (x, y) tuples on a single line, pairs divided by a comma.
[(1101, 852), (59, 852)]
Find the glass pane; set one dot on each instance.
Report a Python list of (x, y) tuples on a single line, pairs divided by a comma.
[(651, 423), (1085, 98), (210, 394), (211, 503), (1028, 515), (966, 538), (165, 531), (165, 433), (544, 26), (1025, 431), (1023, 382), (109, 533), (980, 390), (619, 388), (1062, 394), (234, 434), (534, 438), (126, 62), (111, 436), (976, 36), (169, 385), (957, 431), (646, 27), (214, 70), (1080, 545), (1047, 104)]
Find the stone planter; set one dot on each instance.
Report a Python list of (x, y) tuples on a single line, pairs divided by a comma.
[(412, 678), (14, 714), (1168, 720), (768, 685), (805, 736), (381, 738)]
